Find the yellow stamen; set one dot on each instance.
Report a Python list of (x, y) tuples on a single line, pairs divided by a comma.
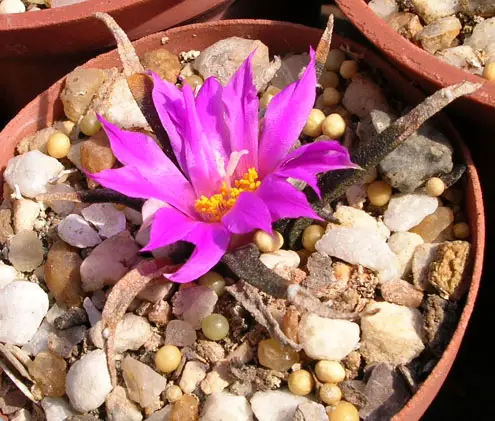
[(213, 208)]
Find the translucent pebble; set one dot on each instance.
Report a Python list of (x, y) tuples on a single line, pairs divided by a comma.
[(185, 409), (215, 327), (431, 227), (96, 154), (25, 251), (274, 355), (49, 370), (62, 274)]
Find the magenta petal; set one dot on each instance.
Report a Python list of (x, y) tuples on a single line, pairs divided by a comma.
[(169, 226), (169, 104), (134, 148), (249, 213), (200, 157), (210, 110), (133, 183), (285, 118), (314, 158), (128, 181), (241, 115), (284, 200), (211, 241)]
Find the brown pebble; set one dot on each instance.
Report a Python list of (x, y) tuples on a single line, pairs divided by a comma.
[(6, 230), (290, 323), (49, 370), (448, 269), (185, 409), (164, 63), (160, 313), (96, 154), (401, 293), (62, 274)]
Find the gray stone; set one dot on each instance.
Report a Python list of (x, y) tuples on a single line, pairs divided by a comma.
[(223, 58), (310, 411), (425, 154), (440, 321), (386, 392)]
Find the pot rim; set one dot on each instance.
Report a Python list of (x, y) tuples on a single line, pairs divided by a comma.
[(428, 389), (67, 14), (410, 56)]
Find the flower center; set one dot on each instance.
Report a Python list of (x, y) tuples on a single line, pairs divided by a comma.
[(213, 208)]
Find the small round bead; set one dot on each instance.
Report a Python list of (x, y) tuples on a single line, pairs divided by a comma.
[(379, 193), (313, 124), (58, 145), (168, 358), (311, 235), (348, 69), (267, 243), (193, 81), (214, 281), (173, 393), (333, 126), (268, 96), (329, 80), (489, 71), (301, 382), (331, 96), (344, 411), (329, 371), (90, 125), (435, 187), (330, 393), (461, 230), (215, 327), (335, 59)]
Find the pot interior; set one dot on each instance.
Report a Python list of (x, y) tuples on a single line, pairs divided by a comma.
[(282, 38)]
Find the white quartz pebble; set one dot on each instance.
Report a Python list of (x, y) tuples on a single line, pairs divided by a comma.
[(31, 171), (88, 381), (23, 305), (408, 210)]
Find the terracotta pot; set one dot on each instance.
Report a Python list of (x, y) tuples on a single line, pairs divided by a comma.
[(284, 38), (421, 66), (38, 48)]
